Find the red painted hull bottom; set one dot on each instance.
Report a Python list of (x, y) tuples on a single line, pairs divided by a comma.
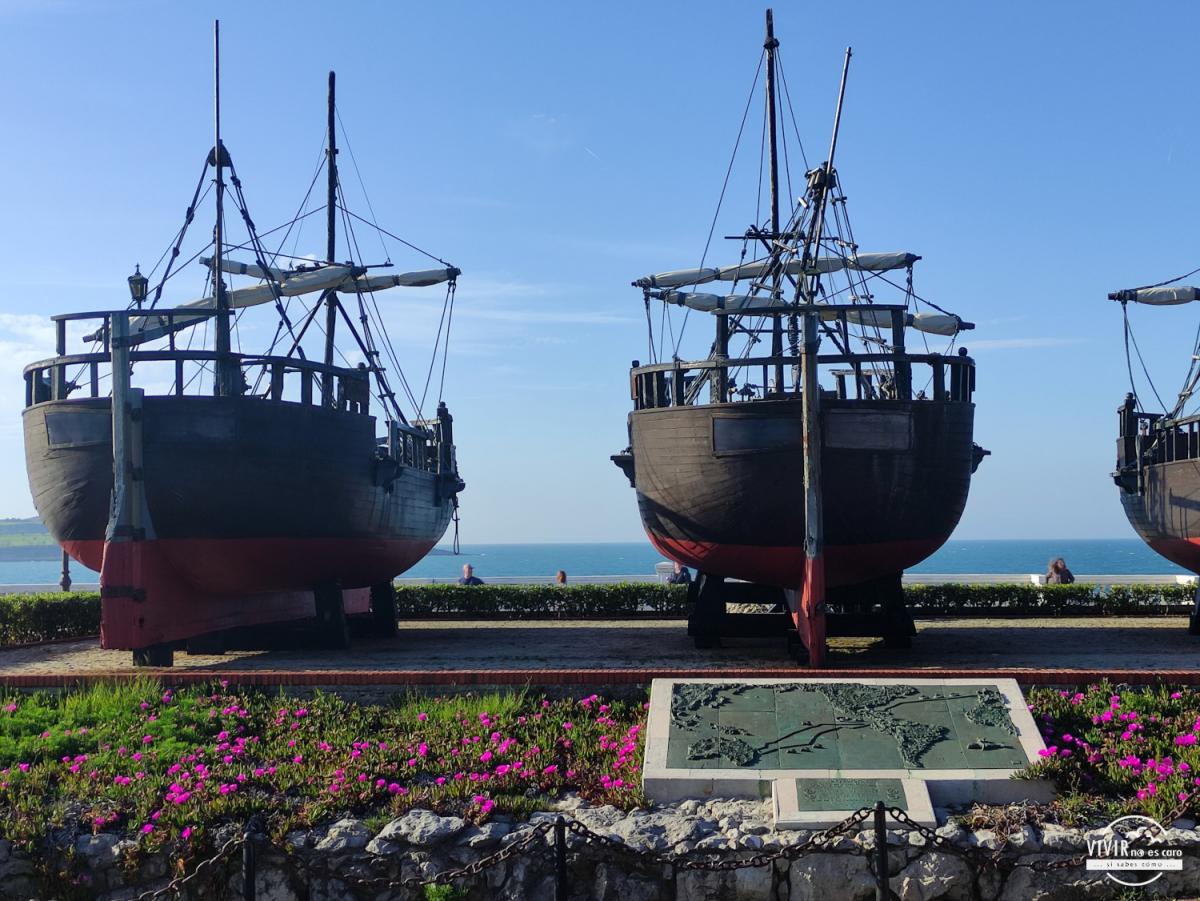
[(1183, 552), (845, 564), (167, 590)]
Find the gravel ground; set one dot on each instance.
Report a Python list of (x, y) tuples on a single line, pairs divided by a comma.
[(1079, 643)]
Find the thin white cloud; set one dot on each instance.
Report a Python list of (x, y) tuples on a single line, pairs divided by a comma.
[(1021, 343)]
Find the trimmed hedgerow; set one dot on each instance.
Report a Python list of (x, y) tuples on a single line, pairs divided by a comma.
[(42, 617), (1049, 600), (649, 599), (542, 601)]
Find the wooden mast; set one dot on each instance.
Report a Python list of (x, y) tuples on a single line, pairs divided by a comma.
[(331, 301), (770, 46), (810, 615), (223, 381)]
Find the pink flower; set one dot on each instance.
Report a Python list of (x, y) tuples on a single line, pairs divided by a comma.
[(552, 768), (422, 717), (147, 828), (186, 834), (568, 726)]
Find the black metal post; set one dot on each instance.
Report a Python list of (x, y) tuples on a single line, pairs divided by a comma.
[(65, 582), (770, 45), (560, 860), (248, 867), (331, 301), (882, 892)]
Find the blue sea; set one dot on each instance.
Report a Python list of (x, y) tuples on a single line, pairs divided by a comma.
[(1096, 556)]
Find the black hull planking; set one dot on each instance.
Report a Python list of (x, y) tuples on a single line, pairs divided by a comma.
[(245, 497), (720, 487)]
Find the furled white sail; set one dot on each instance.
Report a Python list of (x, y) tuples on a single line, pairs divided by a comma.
[(420, 279), (677, 277), (932, 323), (756, 269), (881, 262), (866, 316), (235, 268), (1167, 295), (707, 303), (937, 323)]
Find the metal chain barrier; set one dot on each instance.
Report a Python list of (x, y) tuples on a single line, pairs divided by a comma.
[(529, 837), (180, 883), (701, 860), (531, 842)]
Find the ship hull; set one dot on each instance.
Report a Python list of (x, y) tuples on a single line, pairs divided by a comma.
[(720, 487), (250, 505), (1167, 513)]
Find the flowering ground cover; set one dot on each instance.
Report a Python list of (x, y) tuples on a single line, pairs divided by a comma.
[(1115, 750), (161, 765)]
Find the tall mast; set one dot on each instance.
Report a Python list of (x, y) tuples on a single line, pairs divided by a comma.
[(223, 382), (770, 45), (809, 611), (331, 301), (827, 181)]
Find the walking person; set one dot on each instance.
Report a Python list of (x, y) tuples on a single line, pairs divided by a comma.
[(469, 577), (1058, 574), (681, 576), (560, 578)]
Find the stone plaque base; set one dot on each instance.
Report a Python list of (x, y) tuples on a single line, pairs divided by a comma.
[(822, 746)]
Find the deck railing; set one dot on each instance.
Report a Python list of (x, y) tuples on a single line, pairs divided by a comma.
[(264, 376), (1152, 438), (884, 376)]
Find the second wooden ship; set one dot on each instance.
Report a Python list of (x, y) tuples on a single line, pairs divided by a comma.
[(822, 472)]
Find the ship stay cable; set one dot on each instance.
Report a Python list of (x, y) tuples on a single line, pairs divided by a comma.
[(386, 395), (374, 362), (724, 186), (362, 185)]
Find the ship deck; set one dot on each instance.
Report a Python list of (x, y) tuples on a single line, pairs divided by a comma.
[(437, 653)]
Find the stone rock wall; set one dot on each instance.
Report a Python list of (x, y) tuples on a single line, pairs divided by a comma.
[(347, 861)]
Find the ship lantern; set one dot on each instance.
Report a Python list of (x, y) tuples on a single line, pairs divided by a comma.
[(137, 285)]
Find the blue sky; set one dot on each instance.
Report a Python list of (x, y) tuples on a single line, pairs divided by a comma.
[(1037, 156)]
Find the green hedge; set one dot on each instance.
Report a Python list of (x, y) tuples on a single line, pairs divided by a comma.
[(549, 602), (41, 617), (1052, 600), (542, 601)]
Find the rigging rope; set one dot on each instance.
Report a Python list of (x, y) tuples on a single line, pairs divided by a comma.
[(724, 185), (361, 184), (409, 244), (1130, 338)]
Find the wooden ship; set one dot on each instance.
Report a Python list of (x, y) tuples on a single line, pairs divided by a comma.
[(1158, 450), (815, 473), (235, 489)]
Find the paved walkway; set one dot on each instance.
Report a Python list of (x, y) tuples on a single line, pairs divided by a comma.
[(1118, 643)]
